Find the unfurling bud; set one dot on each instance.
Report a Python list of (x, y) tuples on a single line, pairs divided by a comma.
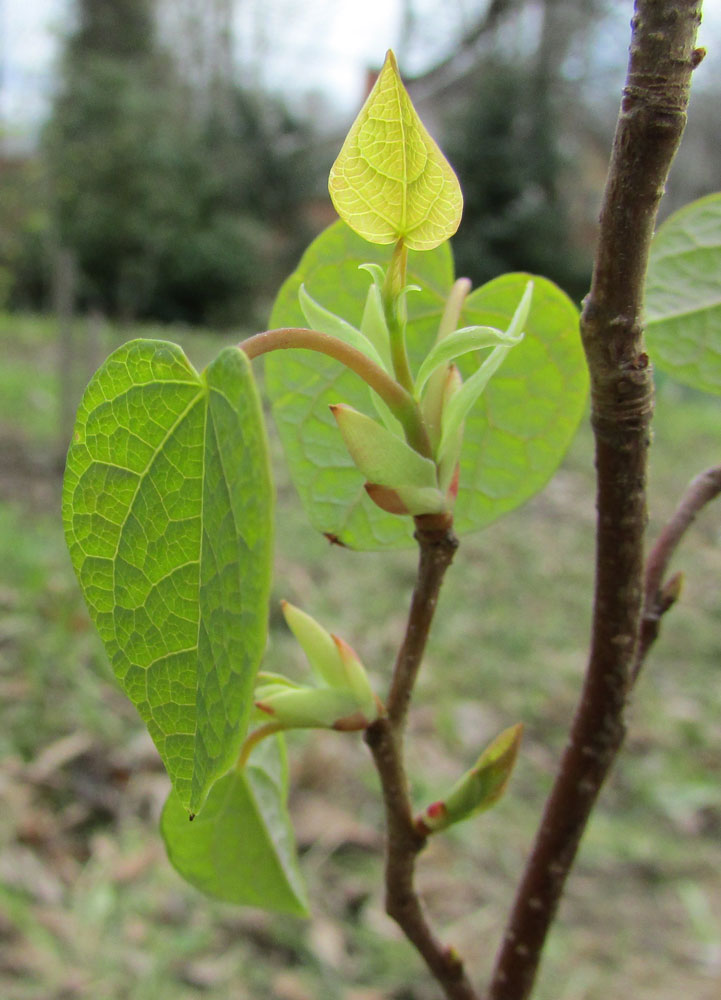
[(344, 700), (316, 643), (400, 480), (479, 788), (448, 468), (382, 457), (413, 500), (312, 708)]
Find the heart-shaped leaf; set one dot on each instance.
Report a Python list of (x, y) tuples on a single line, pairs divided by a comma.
[(683, 295), (241, 848), (520, 428), (391, 180), (167, 506)]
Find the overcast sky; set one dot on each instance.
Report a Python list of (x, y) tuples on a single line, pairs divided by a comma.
[(332, 42), (327, 48)]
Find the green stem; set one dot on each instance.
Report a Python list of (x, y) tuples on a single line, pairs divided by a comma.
[(398, 399), (395, 313)]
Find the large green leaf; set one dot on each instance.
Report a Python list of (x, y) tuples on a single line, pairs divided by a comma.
[(683, 295), (516, 434), (302, 385), (167, 506), (241, 848), (390, 179), (519, 430)]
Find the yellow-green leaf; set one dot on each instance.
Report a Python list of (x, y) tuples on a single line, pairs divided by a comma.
[(391, 180)]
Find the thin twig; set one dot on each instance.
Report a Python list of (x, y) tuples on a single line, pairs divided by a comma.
[(649, 129), (437, 546), (659, 596)]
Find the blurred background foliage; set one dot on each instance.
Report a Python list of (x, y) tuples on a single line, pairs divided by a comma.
[(185, 185)]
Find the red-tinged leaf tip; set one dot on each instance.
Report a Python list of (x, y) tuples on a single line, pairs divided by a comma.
[(351, 723), (345, 649), (386, 498), (264, 708), (453, 488)]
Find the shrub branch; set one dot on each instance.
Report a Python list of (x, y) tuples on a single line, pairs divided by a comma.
[(384, 737), (648, 132), (661, 594)]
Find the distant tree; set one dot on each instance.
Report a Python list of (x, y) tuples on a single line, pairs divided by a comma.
[(504, 145), (170, 215), (23, 230)]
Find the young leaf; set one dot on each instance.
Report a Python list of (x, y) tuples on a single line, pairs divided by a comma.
[(470, 338), (327, 322), (317, 644), (480, 787), (373, 324), (167, 506), (314, 708), (683, 295), (412, 500), (302, 386), (467, 395), (515, 435), (450, 457), (357, 679), (241, 848), (518, 431), (391, 180), (381, 456)]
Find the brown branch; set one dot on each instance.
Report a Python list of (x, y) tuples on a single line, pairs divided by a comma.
[(659, 596), (649, 129), (437, 546)]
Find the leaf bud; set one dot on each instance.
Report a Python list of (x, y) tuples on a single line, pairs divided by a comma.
[(317, 644), (479, 788), (345, 699), (415, 500), (379, 454), (314, 708), (356, 679)]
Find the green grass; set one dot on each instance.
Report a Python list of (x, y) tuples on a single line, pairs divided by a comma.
[(89, 907)]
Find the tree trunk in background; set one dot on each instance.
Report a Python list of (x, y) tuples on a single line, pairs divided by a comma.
[(64, 282)]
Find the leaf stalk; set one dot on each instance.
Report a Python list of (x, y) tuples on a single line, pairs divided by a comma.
[(394, 307), (398, 399)]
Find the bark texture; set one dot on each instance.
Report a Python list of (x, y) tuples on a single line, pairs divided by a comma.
[(650, 125)]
